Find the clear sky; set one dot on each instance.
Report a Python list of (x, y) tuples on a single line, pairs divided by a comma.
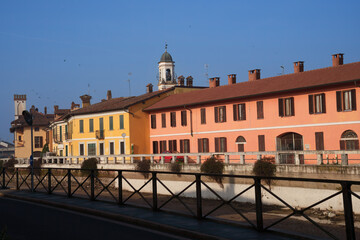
[(55, 51)]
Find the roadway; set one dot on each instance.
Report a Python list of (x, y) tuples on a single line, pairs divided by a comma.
[(25, 220)]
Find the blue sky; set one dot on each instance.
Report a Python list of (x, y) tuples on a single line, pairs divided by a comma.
[(53, 50)]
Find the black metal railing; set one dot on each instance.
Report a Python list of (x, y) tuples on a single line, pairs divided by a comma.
[(93, 186)]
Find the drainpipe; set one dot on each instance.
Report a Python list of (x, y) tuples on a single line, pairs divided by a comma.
[(191, 126)]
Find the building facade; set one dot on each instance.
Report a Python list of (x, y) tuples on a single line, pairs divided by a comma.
[(306, 110)]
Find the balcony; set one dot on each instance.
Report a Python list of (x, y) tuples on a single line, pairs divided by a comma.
[(100, 134)]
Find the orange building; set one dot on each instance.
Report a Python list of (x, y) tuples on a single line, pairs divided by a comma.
[(305, 110)]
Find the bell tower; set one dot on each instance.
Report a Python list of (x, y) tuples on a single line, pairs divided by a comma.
[(20, 104), (167, 77)]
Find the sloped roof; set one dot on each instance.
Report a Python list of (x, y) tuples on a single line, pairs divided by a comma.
[(284, 83), (117, 103)]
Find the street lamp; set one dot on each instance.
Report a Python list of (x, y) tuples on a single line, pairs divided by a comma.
[(29, 120)]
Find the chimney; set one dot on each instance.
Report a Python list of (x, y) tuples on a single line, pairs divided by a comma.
[(254, 74), (231, 79), (338, 59), (149, 88), (74, 106), (108, 95), (45, 110), (85, 100), (189, 81), (56, 108), (214, 82), (181, 80), (298, 66)]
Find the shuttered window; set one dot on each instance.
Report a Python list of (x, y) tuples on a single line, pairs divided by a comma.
[(319, 140), (184, 145), (155, 147), (173, 119), (163, 120), (162, 146), (172, 146), (317, 103), (261, 141), (260, 110), (203, 145), (286, 107), (239, 112), (346, 100), (203, 115), (220, 114), (153, 121), (183, 118), (220, 144)]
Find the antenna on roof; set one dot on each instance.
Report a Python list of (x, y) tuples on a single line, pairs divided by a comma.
[(129, 74), (89, 89), (206, 66), (283, 69)]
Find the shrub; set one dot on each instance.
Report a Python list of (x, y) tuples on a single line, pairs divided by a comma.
[(45, 150), (88, 165), (213, 165), (265, 167), (144, 166), (176, 167), (10, 165)]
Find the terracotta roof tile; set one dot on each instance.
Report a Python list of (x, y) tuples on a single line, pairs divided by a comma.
[(290, 82)]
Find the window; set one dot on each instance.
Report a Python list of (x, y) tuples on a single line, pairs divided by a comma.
[(172, 146), (346, 100), (184, 145), (317, 103), (261, 142), (220, 144), (81, 122), (260, 109), (66, 132), (155, 147), (60, 134), (91, 149), (203, 115), (19, 138), (153, 121), (240, 141), (239, 112), (111, 148), (319, 140), (122, 147), (91, 125), (220, 114), (101, 124), (162, 146), (163, 120), (38, 142), (349, 141), (81, 149), (173, 119), (111, 123), (121, 121), (183, 118), (101, 148), (203, 145), (286, 107), (36, 129)]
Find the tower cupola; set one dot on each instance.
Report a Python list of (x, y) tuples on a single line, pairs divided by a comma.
[(167, 77)]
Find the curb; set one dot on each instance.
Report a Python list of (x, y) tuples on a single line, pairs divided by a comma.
[(118, 217)]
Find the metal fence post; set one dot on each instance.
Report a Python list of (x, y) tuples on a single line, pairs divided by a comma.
[(258, 202), (49, 181), (120, 187), (17, 179), (92, 196), (3, 178), (154, 190), (348, 210), (198, 196), (69, 183)]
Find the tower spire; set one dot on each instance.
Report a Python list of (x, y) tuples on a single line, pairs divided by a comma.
[(166, 46)]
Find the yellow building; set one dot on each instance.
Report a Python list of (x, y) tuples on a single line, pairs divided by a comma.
[(114, 126)]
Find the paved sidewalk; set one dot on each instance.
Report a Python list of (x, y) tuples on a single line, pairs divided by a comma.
[(180, 225)]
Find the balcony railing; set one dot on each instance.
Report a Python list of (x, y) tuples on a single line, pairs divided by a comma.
[(100, 134)]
